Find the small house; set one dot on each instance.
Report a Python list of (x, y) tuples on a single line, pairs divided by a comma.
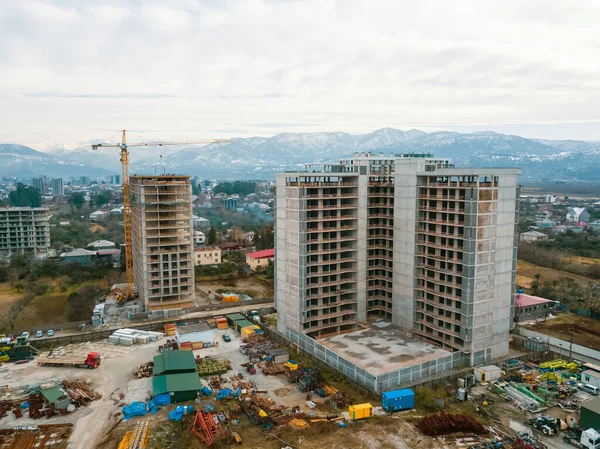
[(279, 355), (56, 397), (591, 377), (200, 222), (260, 259), (532, 236), (78, 256), (575, 214), (199, 238), (101, 244), (487, 373), (207, 255), (545, 223), (98, 215), (529, 307)]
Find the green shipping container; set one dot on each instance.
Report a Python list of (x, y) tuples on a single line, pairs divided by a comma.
[(590, 414), (233, 317), (242, 323)]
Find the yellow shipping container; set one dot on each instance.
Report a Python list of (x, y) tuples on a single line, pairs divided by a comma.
[(360, 411)]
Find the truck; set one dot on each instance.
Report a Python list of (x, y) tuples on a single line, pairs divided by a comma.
[(92, 361), (583, 438)]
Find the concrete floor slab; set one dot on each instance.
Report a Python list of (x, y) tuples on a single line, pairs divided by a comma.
[(382, 348)]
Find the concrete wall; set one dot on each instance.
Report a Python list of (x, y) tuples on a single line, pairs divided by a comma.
[(405, 228)]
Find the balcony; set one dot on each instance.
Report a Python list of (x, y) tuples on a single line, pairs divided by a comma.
[(329, 325), (440, 245), (333, 294), (438, 328), (330, 283), (454, 210), (453, 235), (436, 304), (426, 278), (436, 316), (438, 293), (439, 269), (440, 221)]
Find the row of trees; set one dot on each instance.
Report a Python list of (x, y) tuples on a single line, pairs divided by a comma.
[(569, 292), (239, 187), (550, 257), (25, 196)]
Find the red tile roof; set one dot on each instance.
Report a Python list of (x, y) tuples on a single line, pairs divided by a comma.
[(524, 300), (265, 253)]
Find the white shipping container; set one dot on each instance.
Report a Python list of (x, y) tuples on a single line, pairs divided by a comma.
[(487, 373)]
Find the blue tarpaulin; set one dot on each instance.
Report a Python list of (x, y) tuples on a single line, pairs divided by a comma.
[(224, 393), (24, 405), (134, 409), (152, 407), (162, 399), (176, 414)]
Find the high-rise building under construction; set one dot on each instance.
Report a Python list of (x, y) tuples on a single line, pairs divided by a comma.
[(409, 238), (161, 240)]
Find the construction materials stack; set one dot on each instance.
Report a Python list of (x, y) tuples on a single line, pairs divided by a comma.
[(221, 322), (129, 337), (170, 329), (310, 380), (212, 367)]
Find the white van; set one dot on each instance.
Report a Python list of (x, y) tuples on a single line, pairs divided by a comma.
[(589, 389)]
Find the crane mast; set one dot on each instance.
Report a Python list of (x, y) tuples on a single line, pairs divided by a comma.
[(126, 198)]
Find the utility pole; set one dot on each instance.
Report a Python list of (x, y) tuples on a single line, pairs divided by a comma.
[(571, 348)]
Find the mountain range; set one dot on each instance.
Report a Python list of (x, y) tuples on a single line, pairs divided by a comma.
[(261, 157)]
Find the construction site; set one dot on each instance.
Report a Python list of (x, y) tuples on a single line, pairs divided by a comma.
[(226, 382)]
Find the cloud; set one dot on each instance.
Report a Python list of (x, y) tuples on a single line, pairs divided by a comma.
[(198, 67)]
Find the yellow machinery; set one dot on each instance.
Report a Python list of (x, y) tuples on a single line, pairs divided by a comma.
[(360, 411), (127, 200), (136, 438)]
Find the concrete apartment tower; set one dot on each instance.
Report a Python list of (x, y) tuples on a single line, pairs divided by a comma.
[(161, 240), (410, 238), (24, 230)]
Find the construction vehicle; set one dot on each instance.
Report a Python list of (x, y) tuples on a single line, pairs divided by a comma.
[(21, 350), (92, 361), (583, 438), (546, 424), (127, 200)]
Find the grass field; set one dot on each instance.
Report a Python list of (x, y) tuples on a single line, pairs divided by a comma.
[(526, 274), (7, 297)]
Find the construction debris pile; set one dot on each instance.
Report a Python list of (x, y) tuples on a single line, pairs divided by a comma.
[(46, 400), (443, 424), (144, 370), (258, 350), (54, 436)]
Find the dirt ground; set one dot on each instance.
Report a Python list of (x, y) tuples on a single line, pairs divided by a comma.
[(254, 287), (526, 274), (584, 331)]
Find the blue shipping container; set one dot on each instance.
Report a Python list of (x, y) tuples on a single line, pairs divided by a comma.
[(395, 400)]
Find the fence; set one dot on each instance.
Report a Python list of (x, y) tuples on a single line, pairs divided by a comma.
[(564, 348), (105, 333)]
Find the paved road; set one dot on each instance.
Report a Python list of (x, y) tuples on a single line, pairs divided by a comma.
[(205, 313)]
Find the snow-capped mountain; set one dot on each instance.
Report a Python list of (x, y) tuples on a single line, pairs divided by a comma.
[(261, 157), (19, 160)]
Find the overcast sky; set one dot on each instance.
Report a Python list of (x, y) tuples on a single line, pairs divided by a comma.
[(75, 70)]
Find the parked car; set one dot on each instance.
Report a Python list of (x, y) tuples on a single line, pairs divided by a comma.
[(591, 389), (12, 336), (226, 338), (39, 334), (50, 332), (26, 335)]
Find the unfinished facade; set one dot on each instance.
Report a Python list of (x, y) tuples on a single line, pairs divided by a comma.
[(24, 230), (161, 240), (410, 238)]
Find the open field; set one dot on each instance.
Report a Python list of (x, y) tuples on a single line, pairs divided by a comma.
[(584, 331), (252, 286), (526, 274), (7, 297)]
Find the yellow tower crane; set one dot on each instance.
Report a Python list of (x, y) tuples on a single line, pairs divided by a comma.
[(125, 182)]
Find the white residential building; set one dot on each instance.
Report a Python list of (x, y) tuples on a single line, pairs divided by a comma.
[(24, 230)]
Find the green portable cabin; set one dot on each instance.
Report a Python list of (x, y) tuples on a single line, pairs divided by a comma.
[(590, 414), (233, 317), (242, 323), (181, 387), (174, 362)]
